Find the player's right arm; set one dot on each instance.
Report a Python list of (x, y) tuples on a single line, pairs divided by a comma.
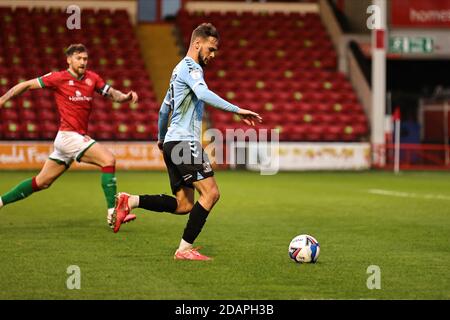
[(18, 89), (163, 119)]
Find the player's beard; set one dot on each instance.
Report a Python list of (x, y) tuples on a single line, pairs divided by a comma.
[(201, 60), (82, 71)]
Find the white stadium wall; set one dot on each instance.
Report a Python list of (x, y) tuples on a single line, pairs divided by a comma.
[(293, 156)]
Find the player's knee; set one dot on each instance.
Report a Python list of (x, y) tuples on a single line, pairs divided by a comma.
[(214, 195), (107, 162), (182, 210), (110, 161), (184, 206), (45, 183)]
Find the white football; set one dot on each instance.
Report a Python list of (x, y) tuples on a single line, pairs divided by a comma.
[(304, 249)]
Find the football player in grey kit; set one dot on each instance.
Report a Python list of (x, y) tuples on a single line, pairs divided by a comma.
[(185, 99)]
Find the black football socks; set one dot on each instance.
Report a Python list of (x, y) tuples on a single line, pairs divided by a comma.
[(165, 203), (158, 203), (197, 219)]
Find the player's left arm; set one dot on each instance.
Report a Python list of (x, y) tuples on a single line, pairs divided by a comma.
[(203, 93), (194, 79), (118, 96)]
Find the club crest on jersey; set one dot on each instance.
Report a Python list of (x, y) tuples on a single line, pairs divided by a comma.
[(88, 82), (196, 74), (71, 83)]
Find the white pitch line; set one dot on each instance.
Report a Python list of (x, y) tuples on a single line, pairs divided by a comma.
[(401, 194)]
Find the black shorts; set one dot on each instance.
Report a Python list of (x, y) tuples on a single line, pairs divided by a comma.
[(186, 162)]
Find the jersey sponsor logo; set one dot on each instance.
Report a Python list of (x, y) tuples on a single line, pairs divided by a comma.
[(79, 97), (196, 74)]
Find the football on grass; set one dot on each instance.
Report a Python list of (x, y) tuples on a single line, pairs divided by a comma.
[(304, 249)]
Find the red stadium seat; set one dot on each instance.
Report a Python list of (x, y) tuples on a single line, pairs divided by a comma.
[(102, 130), (360, 129), (291, 118), (325, 118), (120, 116), (100, 115), (48, 130), (30, 130), (123, 131), (344, 118), (273, 118), (315, 133), (8, 115), (11, 130), (299, 132), (333, 132), (144, 131)]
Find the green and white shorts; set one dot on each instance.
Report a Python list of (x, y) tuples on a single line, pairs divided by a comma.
[(70, 146)]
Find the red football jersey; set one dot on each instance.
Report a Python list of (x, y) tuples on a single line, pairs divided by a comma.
[(74, 97)]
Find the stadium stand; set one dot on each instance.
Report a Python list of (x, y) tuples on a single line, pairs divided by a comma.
[(283, 66), (32, 43)]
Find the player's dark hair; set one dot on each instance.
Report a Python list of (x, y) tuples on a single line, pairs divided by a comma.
[(204, 31), (75, 48)]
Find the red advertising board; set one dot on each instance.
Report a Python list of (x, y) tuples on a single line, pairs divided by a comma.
[(420, 13), (32, 155)]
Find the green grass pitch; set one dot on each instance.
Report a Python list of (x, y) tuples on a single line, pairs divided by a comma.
[(405, 232)]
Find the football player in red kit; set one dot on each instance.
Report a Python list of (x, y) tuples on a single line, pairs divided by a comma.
[(73, 89)]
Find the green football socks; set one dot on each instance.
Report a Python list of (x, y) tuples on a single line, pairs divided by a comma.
[(109, 185), (21, 191)]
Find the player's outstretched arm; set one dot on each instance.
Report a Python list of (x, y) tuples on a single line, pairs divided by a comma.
[(118, 96), (203, 93), (18, 89), (249, 117)]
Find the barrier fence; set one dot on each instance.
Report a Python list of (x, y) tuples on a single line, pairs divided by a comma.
[(418, 156)]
